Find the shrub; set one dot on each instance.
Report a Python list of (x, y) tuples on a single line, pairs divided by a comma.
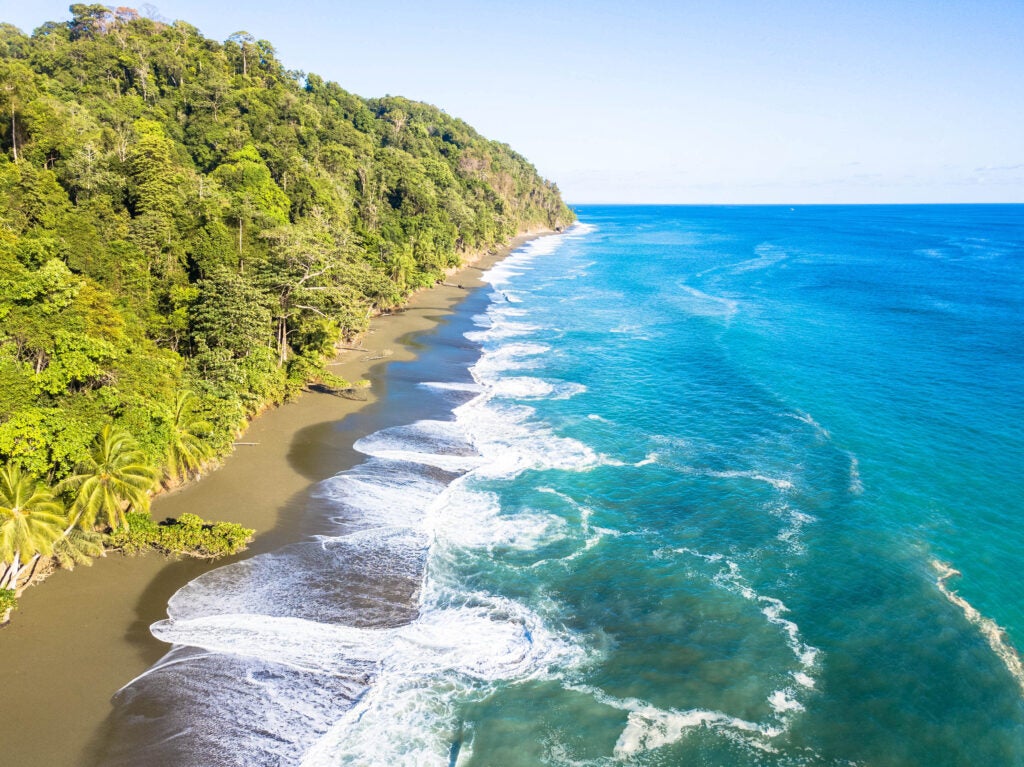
[(189, 535), (7, 601)]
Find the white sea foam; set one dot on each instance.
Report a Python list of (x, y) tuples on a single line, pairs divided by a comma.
[(856, 485), (471, 387), (470, 518), (774, 610), (778, 483), (804, 679), (785, 701), (701, 304), (648, 460), (373, 608), (512, 443), (792, 533), (526, 387), (820, 431), (567, 390), (591, 534), (767, 255), (521, 387), (635, 331), (406, 717), (517, 356), (433, 443), (649, 727), (994, 634), (498, 313), (695, 553), (782, 701), (501, 330), (517, 262), (417, 667), (381, 493)]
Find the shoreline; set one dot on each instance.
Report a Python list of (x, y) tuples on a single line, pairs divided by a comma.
[(62, 672)]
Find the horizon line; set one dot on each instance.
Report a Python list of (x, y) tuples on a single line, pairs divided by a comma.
[(787, 204)]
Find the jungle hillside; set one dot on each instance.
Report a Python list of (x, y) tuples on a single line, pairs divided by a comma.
[(187, 230)]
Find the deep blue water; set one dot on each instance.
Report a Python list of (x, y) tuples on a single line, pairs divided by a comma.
[(698, 500)]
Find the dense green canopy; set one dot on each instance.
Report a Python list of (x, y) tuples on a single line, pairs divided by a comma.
[(178, 214)]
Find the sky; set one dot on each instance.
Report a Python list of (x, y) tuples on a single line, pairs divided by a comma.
[(722, 102)]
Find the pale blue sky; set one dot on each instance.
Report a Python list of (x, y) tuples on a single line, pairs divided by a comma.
[(688, 102)]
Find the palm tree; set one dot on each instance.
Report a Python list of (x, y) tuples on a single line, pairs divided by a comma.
[(32, 520), (187, 450), (78, 547), (115, 477)]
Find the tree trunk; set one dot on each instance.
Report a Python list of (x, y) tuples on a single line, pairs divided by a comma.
[(31, 567), (14, 134), (9, 580), (282, 340)]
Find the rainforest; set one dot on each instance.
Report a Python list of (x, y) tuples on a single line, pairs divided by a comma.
[(188, 229)]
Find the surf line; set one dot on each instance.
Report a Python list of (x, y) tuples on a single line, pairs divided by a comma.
[(992, 631)]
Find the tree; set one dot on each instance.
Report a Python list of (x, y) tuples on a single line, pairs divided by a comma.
[(156, 195), (31, 521), (187, 450), (307, 274), (114, 478), (229, 314), (17, 91), (254, 196), (78, 547), (245, 43), (88, 19)]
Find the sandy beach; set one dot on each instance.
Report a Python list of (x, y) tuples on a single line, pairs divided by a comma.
[(80, 636)]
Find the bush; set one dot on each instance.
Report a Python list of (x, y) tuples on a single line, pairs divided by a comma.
[(141, 534), (7, 601), (189, 535)]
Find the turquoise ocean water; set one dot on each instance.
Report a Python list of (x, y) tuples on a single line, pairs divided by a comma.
[(685, 486)]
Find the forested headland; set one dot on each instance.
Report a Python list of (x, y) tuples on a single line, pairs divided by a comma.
[(187, 229)]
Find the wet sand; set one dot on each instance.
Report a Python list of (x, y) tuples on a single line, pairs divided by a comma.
[(80, 636)]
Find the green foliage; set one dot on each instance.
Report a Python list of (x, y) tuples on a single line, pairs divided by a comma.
[(31, 518), (8, 601), (186, 450), (78, 547), (188, 535), (113, 477), (180, 215)]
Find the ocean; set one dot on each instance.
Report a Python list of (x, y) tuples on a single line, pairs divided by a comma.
[(683, 486)]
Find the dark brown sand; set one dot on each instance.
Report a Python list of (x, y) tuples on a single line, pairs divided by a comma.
[(80, 636)]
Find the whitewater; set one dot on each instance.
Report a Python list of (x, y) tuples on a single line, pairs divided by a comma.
[(681, 485)]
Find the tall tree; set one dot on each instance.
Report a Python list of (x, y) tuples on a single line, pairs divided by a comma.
[(16, 93), (31, 521), (114, 478), (186, 450), (308, 274), (256, 200)]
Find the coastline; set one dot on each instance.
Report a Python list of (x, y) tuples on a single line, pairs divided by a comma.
[(62, 673)]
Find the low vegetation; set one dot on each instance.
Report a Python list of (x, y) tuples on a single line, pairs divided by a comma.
[(186, 535)]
